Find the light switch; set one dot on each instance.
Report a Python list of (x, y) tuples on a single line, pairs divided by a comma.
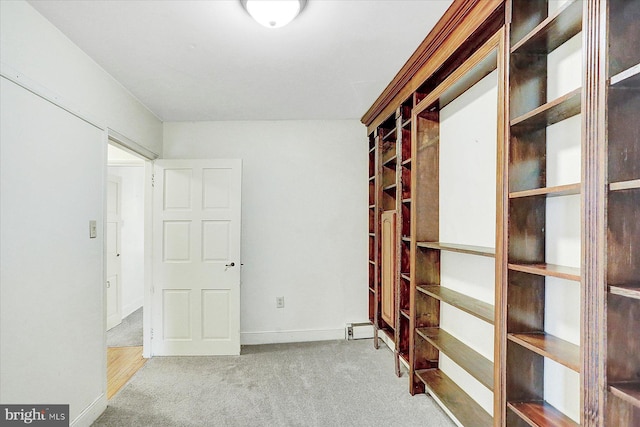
[(93, 229)]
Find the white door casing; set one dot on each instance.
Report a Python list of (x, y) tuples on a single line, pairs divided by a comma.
[(113, 243), (196, 257)]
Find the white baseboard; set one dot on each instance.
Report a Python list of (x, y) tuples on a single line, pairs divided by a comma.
[(91, 412), (130, 308), (273, 337)]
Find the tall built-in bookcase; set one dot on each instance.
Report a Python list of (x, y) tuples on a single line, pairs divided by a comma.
[(557, 292), (623, 214), (543, 168)]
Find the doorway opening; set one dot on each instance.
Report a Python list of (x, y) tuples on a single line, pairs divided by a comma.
[(126, 263)]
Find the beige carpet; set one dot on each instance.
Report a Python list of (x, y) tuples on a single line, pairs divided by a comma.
[(335, 383)]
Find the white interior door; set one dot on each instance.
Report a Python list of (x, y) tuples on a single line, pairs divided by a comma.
[(196, 257), (113, 238)]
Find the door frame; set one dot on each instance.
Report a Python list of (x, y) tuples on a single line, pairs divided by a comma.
[(122, 142)]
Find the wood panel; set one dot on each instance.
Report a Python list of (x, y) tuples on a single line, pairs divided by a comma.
[(122, 364)]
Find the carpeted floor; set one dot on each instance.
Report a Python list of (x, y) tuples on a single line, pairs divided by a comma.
[(333, 383), (128, 333)]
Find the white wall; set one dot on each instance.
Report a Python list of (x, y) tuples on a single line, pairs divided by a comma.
[(32, 46), (132, 235), (468, 156), (53, 167), (304, 221)]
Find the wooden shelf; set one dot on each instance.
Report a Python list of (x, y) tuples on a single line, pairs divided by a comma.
[(390, 187), (390, 160), (407, 200), (406, 239), (625, 185), (405, 313), (552, 270), (629, 392), (406, 123), (629, 291), (406, 277), (372, 206), (474, 307), (387, 135), (372, 262), (627, 78), (406, 162), (465, 249), (372, 289), (372, 234), (554, 348), (553, 31), (468, 359), (540, 414), (462, 406), (550, 113), (372, 149), (372, 178), (557, 191)]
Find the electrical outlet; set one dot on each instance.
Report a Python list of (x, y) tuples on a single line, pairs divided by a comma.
[(279, 302)]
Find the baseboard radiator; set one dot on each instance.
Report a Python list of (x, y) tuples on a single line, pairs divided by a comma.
[(359, 331)]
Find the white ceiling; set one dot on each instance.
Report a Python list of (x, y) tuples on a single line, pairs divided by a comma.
[(208, 60)]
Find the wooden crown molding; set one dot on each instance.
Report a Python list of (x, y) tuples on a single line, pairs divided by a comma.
[(451, 22)]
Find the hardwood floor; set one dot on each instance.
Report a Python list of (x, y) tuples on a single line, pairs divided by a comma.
[(122, 364)]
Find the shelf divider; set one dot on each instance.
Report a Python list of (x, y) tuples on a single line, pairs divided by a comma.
[(454, 247), (468, 359), (474, 307), (540, 414), (553, 31), (557, 191), (462, 406), (629, 392), (550, 113), (552, 270), (627, 78), (554, 348), (629, 291), (625, 185)]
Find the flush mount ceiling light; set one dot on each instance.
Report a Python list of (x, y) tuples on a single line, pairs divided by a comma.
[(273, 13)]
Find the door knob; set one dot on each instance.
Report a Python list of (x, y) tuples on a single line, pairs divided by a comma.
[(108, 284), (231, 264)]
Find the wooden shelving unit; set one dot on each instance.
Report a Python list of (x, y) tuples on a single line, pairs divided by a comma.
[(535, 33), (566, 257), (623, 215), (393, 193)]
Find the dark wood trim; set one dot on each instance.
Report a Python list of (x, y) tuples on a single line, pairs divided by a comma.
[(594, 225), (458, 23)]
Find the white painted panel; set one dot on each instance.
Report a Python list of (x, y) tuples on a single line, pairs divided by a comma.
[(176, 241), (112, 296), (176, 313), (562, 309), (564, 68), (468, 144), (52, 318), (555, 5), (284, 236), (112, 238), (215, 240), (470, 385), (216, 188), (215, 314), (564, 151), (562, 245), (471, 275), (113, 196), (177, 189), (472, 331), (562, 388)]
